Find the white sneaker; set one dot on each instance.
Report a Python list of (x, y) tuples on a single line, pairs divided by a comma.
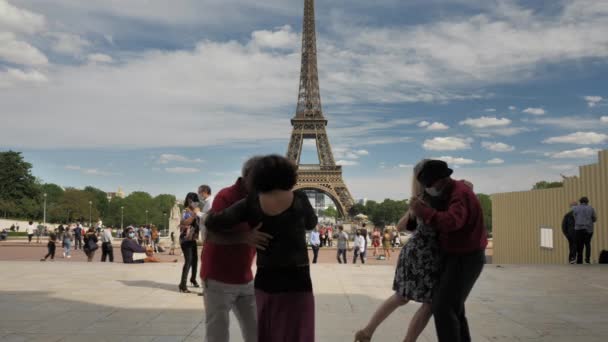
[(69, 256), (64, 254)]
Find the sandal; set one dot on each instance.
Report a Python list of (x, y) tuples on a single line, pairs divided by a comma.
[(362, 336)]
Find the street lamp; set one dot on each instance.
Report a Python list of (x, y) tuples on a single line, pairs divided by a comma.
[(122, 215), (90, 214), (44, 211), (146, 217)]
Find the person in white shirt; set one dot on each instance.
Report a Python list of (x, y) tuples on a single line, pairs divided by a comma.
[(359, 247), (106, 245), (30, 230), (206, 201)]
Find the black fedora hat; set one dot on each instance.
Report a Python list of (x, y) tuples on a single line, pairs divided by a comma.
[(432, 171)]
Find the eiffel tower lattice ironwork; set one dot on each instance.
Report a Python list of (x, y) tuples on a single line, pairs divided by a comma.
[(309, 123)]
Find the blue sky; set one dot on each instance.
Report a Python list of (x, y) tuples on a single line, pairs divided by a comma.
[(162, 96)]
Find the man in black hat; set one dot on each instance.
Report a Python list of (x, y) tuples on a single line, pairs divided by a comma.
[(456, 213)]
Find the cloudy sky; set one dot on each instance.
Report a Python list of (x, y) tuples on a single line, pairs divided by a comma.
[(163, 95)]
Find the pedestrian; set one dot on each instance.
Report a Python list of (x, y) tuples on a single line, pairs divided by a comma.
[(342, 245), (386, 243), (226, 268), (283, 287), (206, 203), (323, 236), (359, 247), (78, 233), (455, 212), (172, 250), (365, 235), (68, 237), (568, 224), (90, 244), (416, 274), (133, 253), (50, 247), (30, 230), (315, 242), (584, 218), (330, 236), (154, 238), (60, 231), (107, 251), (39, 230), (376, 240), (189, 232)]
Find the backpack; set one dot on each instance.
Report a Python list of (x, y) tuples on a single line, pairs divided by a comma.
[(603, 257), (91, 245)]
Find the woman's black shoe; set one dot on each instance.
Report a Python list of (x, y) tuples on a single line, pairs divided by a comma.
[(183, 289), (194, 284)]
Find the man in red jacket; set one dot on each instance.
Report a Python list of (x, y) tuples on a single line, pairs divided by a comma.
[(456, 214)]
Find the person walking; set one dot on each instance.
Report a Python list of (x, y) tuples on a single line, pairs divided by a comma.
[(386, 243), (68, 237), (342, 245), (330, 236), (51, 247), (189, 232), (584, 218), (359, 248), (416, 274), (376, 240), (206, 203), (315, 243), (569, 232), (283, 287), (90, 244), (30, 230), (172, 249), (455, 212), (107, 251), (38, 232), (78, 233)]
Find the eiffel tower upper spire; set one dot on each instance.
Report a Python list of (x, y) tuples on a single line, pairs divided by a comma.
[(309, 98)]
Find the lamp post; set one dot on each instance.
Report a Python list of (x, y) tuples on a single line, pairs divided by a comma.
[(90, 214), (44, 211), (165, 223), (146, 217), (122, 216)]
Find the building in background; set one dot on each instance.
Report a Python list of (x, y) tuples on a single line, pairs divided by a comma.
[(362, 201), (119, 194), (527, 224)]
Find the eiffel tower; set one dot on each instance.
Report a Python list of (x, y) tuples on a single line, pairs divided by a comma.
[(309, 123)]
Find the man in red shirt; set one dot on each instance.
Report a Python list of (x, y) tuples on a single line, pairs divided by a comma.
[(456, 213), (226, 273)]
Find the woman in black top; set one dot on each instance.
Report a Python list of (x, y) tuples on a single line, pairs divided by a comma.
[(284, 296), (90, 244)]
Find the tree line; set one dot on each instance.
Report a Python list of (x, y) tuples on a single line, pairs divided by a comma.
[(22, 196)]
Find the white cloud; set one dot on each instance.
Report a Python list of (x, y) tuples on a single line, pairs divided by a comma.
[(18, 52), (405, 166), (19, 20), (579, 138), (604, 119), (563, 167), (455, 160), (495, 161), (168, 158), (485, 121), (347, 162), (534, 111), (15, 77), (347, 153), (592, 101), (447, 144), (282, 38), (584, 152), (423, 124), (99, 58), (362, 152), (437, 126), (490, 110), (567, 122), (512, 108), (497, 146), (68, 44), (90, 172), (182, 170)]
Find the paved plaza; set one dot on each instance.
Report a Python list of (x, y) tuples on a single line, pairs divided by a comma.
[(115, 302)]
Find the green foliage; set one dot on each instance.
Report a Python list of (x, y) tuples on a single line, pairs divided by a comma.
[(486, 207), (330, 212), (385, 213), (547, 185), (19, 190)]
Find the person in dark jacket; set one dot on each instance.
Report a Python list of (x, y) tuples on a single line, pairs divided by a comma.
[(129, 246), (90, 244), (569, 232)]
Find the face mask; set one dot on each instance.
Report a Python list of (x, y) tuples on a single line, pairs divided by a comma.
[(131, 235), (193, 205), (432, 192)]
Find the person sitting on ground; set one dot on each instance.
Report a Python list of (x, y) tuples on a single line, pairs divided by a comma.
[(133, 253)]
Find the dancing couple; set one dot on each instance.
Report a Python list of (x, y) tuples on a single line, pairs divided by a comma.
[(441, 262)]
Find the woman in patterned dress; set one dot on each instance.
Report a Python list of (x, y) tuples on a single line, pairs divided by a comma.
[(416, 275)]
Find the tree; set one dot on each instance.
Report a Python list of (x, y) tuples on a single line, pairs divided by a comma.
[(19, 190), (486, 207), (74, 206), (357, 209), (547, 185), (100, 201), (330, 212)]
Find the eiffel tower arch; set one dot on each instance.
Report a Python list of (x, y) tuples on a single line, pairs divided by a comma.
[(310, 123)]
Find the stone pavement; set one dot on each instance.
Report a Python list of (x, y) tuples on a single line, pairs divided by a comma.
[(116, 302)]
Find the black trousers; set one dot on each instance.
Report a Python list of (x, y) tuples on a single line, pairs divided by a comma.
[(315, 253), (571, 248), (51, 251), (190, 252), (341, 256), (29, 237), (583, 241), (359, 253), (458, 275), (107, 252), (78, 242)]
